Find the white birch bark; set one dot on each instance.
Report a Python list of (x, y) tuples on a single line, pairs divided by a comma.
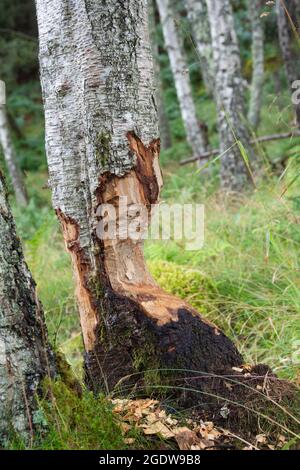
[(25, 356), (285, 32), (229, 94), (197, 15), (102, 146), (11, 159), (257, 28), (194, 133)]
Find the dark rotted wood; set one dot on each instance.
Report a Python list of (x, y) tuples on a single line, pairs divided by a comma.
[(135, 344)]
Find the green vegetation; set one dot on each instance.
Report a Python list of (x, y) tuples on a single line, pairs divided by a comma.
[(71, 422), (245, 278)]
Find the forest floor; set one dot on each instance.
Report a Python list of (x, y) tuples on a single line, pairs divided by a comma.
[(245, 279)]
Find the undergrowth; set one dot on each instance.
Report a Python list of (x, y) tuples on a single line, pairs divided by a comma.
[(245, 278)]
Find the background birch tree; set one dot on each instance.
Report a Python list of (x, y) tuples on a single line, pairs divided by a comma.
[(229, 94), (164, 126), (197, 15), (102, 146), (11, 159), (286, 21), (257, 83), (25, 355), (195, 135)]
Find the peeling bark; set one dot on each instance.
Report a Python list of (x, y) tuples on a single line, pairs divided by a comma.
[(102, 145), (25, 356)]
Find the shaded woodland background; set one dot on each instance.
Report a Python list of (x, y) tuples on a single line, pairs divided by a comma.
[(246, 278)]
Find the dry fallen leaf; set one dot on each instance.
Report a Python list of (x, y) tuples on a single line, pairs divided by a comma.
[(129, 440), (152, 418), (125, 427), (170, 421), (224, 411), (229, 386), (158, 428), (186, 438), (147, 415), (237, 369), (261, 438)]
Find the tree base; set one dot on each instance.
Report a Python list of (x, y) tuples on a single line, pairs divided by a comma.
[(134, 349)]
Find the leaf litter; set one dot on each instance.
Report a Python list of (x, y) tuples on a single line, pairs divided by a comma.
[(152, 420)]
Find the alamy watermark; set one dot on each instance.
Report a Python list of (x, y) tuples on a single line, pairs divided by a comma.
[(126, 220), (296, 94)]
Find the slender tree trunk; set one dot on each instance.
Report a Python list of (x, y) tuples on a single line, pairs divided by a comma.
[(197, 15), (229, 93), (255, 8), (277, 85), (164, 126), (103, 148), (25, 356), (286, 39), (11, 159), (194, 131)]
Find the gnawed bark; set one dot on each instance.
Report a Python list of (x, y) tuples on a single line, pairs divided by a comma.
[(257, 28), (102, 146), (11, 159), (25, 356), (229, 95)]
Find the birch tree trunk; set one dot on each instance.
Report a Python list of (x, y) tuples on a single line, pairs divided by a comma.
[(25, 356), (257, 28), (197, 15), (11, 159), (164, 126), (194, 132), (229, 88), (290, 58), (103, 148)]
